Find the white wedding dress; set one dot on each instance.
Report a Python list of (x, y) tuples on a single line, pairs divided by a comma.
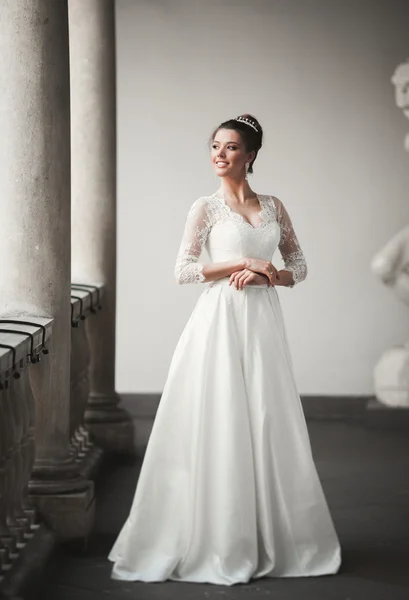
[(228, 489)]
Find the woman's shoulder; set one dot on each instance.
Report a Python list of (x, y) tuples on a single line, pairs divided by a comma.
[(273, 206), (270, 202), (202, 201), (203, 209), (274, 202), (205, 204), (269, 198)]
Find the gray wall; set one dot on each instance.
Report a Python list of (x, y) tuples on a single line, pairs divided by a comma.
[(316, 73)]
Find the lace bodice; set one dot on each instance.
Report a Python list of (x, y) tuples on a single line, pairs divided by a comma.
[(227, 235)]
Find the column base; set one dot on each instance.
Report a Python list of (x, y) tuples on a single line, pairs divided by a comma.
[(71, 516), (110, 426), (90, 463), (55, 478), (114, 438)]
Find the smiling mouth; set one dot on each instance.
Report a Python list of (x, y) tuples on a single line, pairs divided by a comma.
[(221, 163)]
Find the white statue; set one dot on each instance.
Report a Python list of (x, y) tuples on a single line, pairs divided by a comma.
[(401, 81), (391, 264)]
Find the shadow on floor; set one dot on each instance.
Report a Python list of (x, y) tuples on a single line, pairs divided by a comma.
[(365, 479)]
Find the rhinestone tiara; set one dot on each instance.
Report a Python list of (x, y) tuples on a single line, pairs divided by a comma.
[(246, 121)]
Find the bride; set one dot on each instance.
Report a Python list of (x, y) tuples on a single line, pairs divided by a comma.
[(228, 489)]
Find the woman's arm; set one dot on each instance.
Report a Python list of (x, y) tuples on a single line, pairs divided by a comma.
[(295, 265), (197, 229), (214, 271)]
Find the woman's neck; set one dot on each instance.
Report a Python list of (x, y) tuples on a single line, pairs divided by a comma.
[(238, 190)]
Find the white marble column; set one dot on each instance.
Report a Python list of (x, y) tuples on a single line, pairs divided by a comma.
[(93, 155), (35, 225)]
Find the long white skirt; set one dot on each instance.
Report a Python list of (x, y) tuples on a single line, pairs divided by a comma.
[(228, 489)]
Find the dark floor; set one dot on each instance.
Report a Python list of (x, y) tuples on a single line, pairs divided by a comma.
[(365, 476)]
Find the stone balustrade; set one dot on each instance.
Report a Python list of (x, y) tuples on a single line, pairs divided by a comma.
[(23, 343), (85, 302)]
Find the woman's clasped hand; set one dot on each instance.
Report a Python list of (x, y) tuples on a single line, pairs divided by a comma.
[(256, 272)]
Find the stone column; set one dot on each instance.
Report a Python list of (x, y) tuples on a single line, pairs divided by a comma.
[(35, 223), (93, 155)]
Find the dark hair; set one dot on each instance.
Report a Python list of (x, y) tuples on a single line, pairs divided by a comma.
[(252, 139)]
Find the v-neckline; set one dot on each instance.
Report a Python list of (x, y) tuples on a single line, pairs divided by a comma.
[(241, 217)]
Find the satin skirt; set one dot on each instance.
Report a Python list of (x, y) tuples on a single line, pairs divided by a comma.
[(228, 489)]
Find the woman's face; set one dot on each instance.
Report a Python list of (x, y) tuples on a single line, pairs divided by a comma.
[(228, 154)]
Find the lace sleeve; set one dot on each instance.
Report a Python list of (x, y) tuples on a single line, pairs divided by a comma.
[(197, 229), (289, 246)]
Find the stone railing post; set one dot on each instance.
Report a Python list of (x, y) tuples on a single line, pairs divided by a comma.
[(22, 342), (85, 305)]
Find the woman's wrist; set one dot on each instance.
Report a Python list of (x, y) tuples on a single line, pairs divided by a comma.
[(262, 279), (215, 271), (286, 278)]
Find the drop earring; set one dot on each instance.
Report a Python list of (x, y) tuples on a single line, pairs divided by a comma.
[(247, 166)]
